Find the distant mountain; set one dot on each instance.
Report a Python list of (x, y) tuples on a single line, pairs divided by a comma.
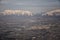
[(16, 12), (52, 13)]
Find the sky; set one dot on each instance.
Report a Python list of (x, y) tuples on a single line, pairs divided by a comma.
[(35, 6)]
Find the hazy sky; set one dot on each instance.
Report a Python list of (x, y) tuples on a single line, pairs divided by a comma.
[(36, 6)]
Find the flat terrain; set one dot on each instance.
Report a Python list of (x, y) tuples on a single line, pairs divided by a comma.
[(29, 28)]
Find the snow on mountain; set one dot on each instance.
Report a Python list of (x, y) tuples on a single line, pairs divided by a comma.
[(53, 12), (16, 12)]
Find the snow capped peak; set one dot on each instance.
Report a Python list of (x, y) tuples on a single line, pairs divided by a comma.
[(16, 12), (53, 12)]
